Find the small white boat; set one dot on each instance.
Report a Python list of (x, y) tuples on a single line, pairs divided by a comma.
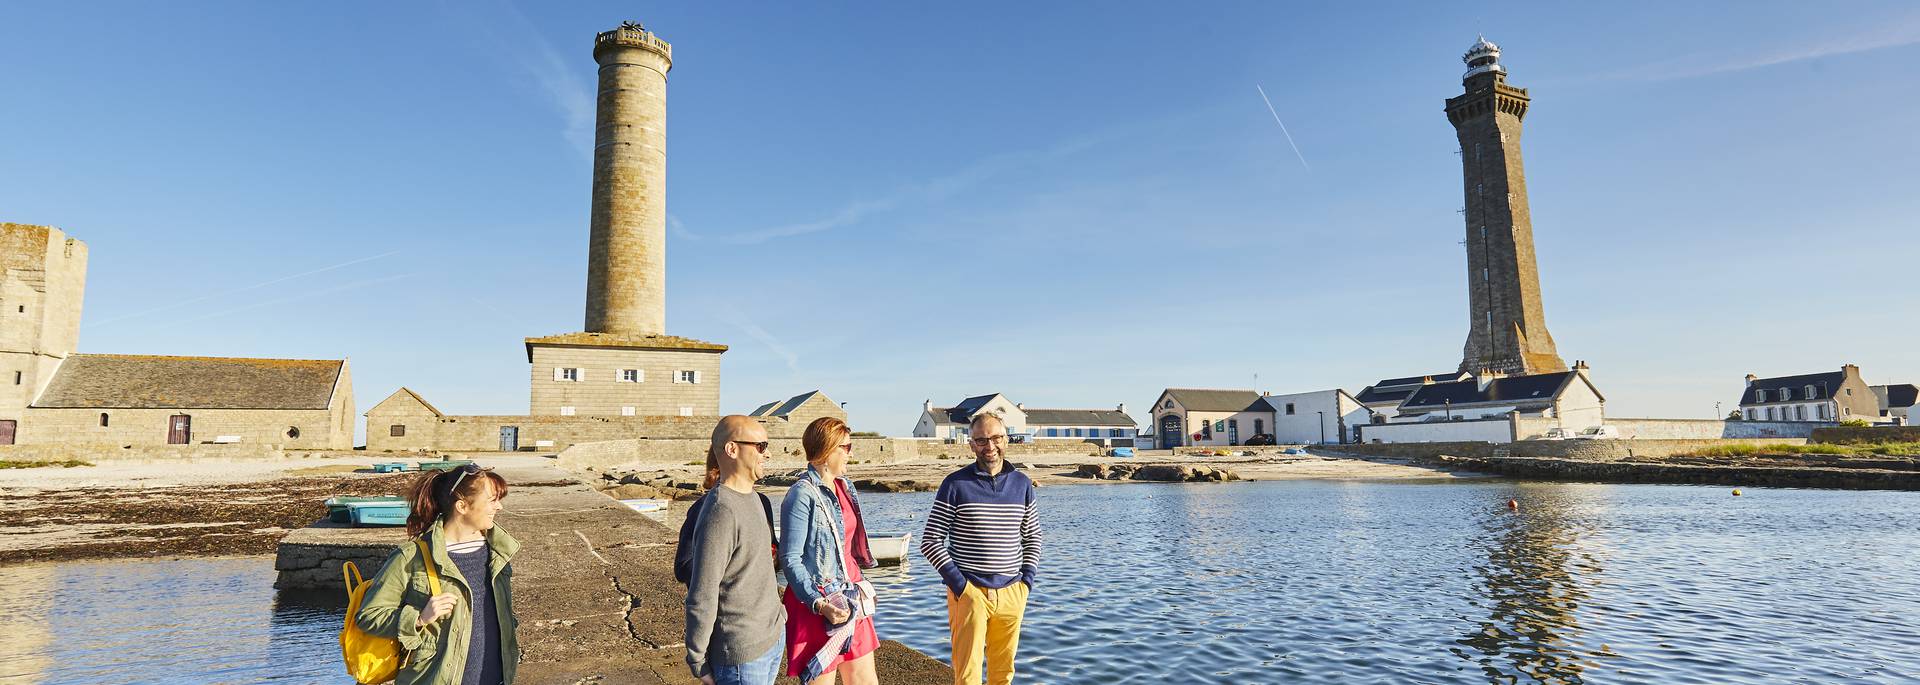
[(889, 547), (655, 509)]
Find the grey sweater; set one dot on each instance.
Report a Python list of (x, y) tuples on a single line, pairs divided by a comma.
[(733, 607)]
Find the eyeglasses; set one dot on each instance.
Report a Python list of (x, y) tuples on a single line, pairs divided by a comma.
[(762, 445), (990, 440), (848, 447)]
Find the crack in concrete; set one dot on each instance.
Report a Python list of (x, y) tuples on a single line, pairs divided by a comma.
[(633, 603)]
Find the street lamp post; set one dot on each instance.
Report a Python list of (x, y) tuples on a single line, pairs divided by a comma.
[(1449, 404)]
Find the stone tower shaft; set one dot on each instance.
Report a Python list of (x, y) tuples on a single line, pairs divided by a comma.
[(1508, 332), (627, 253)]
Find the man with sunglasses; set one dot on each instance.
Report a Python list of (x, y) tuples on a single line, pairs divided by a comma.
[(734, 617), (984, 538)]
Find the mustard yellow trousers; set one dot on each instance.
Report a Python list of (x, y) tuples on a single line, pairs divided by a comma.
[(986, 621)]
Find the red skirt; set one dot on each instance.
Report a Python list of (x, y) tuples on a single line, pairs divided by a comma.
[(807, 631)]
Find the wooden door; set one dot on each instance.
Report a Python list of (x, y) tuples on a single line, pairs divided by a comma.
[(180, 429), (6, 431)]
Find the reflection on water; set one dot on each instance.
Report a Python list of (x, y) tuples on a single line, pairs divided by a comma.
[(1308, 582), (200, 621)]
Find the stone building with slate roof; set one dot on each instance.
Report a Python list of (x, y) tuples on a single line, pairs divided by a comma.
[(124, 399), (800, 410), (1569, 396), (1207, 418), (1103, 426), (1383, 398), (1830, 396)]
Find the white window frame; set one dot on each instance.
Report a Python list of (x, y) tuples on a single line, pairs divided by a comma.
[(568, 374), (626, 411), (631, 376), (686, 411), (687, 376), (566, 411)]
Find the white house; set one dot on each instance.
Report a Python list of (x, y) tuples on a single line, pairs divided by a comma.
[(1831, 396), (1896, 402), (1319, 417), (1483, 407), (1203, 417), (1105, 426)]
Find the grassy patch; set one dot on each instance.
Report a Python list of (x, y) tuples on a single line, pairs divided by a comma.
[(1894, 449), (70, 463)]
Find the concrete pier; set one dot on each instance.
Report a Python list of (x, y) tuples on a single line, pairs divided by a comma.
[(593, 586)]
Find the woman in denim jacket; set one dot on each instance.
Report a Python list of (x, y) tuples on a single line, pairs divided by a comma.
[(823, 547)]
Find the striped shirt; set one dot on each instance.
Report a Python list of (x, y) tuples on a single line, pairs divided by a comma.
[(983, 529)]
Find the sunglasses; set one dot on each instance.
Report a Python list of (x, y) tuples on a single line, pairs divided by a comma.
[(762, 445), (446, 494)]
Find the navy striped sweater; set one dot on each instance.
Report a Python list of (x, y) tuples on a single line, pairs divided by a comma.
[(983, 529)]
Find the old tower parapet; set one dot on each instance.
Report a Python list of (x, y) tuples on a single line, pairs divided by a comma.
[(1508, 332), (627, 252)]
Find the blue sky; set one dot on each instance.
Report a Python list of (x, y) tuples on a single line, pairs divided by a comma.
[(1075, 205)]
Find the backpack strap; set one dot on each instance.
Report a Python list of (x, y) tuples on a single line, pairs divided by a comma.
[(767, 506), (433, 574)]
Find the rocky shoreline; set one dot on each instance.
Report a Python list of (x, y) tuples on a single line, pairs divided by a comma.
[(1781, 471)]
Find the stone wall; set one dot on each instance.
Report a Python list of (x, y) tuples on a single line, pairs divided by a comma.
[(99, 453), (1708, 429), (1689, 474), (1409, 450), (1614, 450), (482, 433), (600, 392), (311, 558), (318, 428), (1848, 435), (1477, 430)]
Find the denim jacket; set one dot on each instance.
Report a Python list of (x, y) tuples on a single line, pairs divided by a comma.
[(812, 535)]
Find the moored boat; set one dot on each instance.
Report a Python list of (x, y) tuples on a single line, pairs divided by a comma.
[(371, 514), (337, 506)]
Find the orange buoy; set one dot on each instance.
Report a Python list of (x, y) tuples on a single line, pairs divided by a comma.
[(1513, 504)]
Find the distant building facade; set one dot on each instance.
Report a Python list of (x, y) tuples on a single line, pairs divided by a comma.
[(801, 409), (1104, 426), (601, 374), (1831, 396), (1202, 417), (1320, 417), (1384, 397), (1896, 401), (1569, 396)]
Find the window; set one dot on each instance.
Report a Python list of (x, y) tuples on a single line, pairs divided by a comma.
[(1826, 411), (629, 375), (1075, 432), (626, 411), (103, 419), (1168, 405), (687, 376), (1770, 415), (1289, 409), (1800, 413), (686, 411), (1753, 415), (1259, 426), (566, 373), (1760, 395), (397, 431), (1810, 394), (1053, 432), (566, 411), (293, 432)]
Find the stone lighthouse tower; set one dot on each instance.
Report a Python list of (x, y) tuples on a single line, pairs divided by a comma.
[(624, 363), (1508, 333), (627, 255)]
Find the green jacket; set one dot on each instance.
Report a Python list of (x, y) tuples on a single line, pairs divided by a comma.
[(439, 651)]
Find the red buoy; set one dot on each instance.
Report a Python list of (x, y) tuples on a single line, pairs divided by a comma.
[(1513, 504)]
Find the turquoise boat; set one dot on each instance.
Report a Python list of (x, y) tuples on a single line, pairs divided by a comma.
[(373, 514), (390, 467), (337, 506), (447, 465)]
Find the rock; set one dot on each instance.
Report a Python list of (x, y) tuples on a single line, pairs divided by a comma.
[(781, 479), (609, 476), (1165, 473), (628, 479), (680, 494), (1091, 471), (633, 491)]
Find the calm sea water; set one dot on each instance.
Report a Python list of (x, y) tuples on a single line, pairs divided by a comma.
[(1300, 582)]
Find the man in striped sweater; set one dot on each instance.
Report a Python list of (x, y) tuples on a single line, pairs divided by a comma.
[(984, 537)]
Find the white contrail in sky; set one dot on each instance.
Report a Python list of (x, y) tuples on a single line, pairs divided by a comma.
[(244, 288), (1283, 127)]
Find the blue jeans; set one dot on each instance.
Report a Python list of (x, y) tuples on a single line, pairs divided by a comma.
[(759, 671)]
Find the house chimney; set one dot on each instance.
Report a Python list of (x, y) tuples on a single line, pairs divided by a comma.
[(1751, 378), (1850, 371), (1264, 393), (926, 406), (1022, 406), (1122, 407), (1486, 378)]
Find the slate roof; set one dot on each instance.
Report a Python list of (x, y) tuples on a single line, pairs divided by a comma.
[(1904, 395), (963, 412), (1419, 380), (784, 408), (1078, 417), (1537, 388), (1373, 395), (127, 381), (1197, 399), (1399, 389), (638, 342), (1823, 386)]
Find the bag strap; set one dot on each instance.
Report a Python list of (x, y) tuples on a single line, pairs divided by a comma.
[(350, 573), (433, 574)]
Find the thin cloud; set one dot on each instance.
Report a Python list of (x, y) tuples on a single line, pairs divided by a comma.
[(1283, 127), (242, 289), (1884, 36), (934, 190), (679, 230), (560, 79), (773, 344), (295, 298)]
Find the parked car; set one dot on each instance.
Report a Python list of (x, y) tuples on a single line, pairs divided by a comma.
[(1598, 433), (1259, 440), (1557, 433)]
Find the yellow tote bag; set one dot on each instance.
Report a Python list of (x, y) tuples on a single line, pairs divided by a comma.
[(372, 659)]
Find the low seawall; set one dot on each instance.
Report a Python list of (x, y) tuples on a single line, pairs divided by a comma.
[(1587, 450), (116, 452), (1685, 474)]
